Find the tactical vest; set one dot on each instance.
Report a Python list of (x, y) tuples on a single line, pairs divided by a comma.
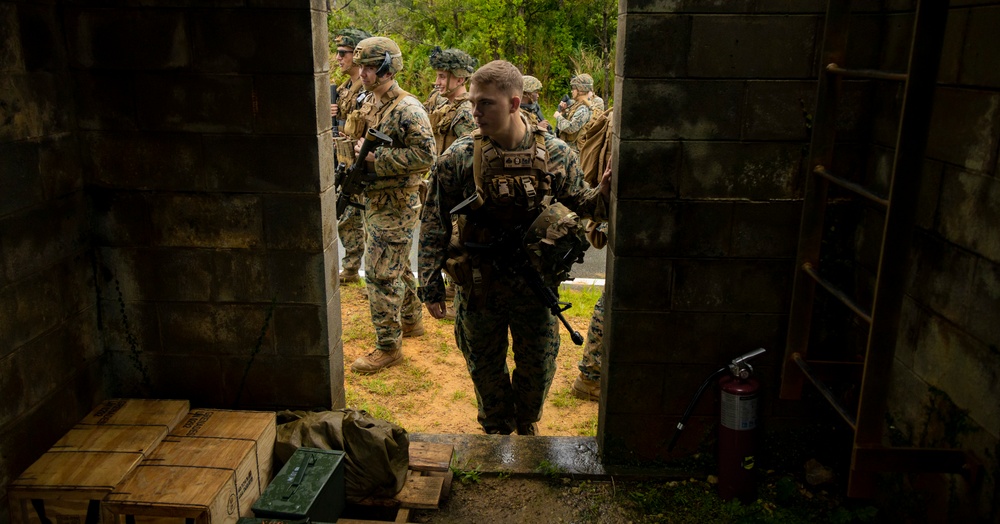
[(370, 116), (347, 102), (442, 119), (570, 138), (514, 187)]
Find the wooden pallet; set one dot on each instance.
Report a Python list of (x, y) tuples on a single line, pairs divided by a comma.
[(428, 482)]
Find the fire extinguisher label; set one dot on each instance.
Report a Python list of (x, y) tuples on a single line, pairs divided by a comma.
[(739, 412)]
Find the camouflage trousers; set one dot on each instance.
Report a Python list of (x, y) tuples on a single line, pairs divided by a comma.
[(507, 399), (390, 217), (590, 364), (351, 229)]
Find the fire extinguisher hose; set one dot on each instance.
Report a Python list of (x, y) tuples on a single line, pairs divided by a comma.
[(692, 404)]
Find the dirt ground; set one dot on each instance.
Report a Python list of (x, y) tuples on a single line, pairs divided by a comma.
[(432, 392)]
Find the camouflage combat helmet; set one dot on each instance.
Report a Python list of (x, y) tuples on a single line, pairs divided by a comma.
[(582, 82), (381, 52), (531, 84), (554, 242), (349, 37), (455, 61)]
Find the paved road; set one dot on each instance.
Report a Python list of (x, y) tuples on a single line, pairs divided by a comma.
[(592, 267)]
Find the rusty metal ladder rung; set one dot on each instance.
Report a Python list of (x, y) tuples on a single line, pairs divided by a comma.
[(868, 454)]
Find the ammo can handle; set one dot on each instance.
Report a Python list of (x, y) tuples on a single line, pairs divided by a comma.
[(298, 478)]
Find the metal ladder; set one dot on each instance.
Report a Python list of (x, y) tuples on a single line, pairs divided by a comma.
[(869, 456)]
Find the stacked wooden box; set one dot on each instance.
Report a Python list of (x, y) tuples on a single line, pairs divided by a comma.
[(149, 462), (68, 482)]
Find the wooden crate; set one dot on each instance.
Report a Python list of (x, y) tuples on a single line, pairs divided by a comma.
[(428, 482), (237, 456), (64, 486), (123, 439), (139, 412), (155, 494), (256, 426)]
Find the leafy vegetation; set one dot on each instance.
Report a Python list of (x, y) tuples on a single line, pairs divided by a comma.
[(550, 39)]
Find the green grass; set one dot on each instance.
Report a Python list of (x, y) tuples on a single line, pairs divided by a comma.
[(378, 386), (583, 299), (563, 398)]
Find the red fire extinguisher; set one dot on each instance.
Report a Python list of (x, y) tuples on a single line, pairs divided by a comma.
[(737, 428)]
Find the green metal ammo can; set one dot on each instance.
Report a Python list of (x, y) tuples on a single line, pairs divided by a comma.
[(309, 486)]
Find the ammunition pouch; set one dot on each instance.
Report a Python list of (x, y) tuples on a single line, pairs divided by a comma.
[(354, 126), (344, 146)]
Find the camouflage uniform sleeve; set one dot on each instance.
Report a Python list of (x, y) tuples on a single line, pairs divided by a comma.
[(576, 121), (408, 122), (450, 175), (463, 123), (568, 186)]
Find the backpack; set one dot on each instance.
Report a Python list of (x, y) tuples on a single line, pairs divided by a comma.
[(594, 146)]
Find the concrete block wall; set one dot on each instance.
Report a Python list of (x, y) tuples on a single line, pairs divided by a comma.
[(50, 365), (211, 175), (711, 134), (946, 377)]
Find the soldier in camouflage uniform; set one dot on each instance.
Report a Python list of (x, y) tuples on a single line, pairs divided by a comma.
[(453, 118), (570, 120), (391, 201), (529, 102), (350, 228), (512, 167)]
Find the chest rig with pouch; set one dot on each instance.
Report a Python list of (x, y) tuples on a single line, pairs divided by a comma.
[(512, 189)]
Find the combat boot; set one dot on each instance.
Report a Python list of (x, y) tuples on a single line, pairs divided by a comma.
[(377, 360), (348, 276), (413, 330), (527, 429), (586, 389)]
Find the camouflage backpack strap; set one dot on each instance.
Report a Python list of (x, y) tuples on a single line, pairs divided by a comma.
[(398, 95)]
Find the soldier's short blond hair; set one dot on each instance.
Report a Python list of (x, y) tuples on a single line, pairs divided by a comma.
[(500, 74)]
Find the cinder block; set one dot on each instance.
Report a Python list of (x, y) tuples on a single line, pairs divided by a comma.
[(639, 388), (647, 169), (252, 40), (912, 318), (753, 171), (327, 162), (980, 55), (240, 276), (689, 6), (730, 46), (732, 285), (940, 275), (676, 229), (288, 104), (766, 230), (965, 127), (300, 331), (13, 400), (33, 105), (640, 283), (11, 53), (214, 329), (174, 274), (984, 298), (970, 210), (298, 278), (321, 42), (897, 36), (280, 381), (328, 218), (19, 161), (779, 109), (201, 104), (263, 163), (131, 39), (168, 161), (215, 220), (952, 46), (790, 6), (105, 100), (680, 109), (59, 166), (51, 360), (655, 46), (694, 338), (966, 369), (294, 222), (41, 41), (135, 321), (120, 217), (44, 235), (194, 376)]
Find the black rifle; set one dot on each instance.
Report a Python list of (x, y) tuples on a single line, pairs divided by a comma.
[(353, 180), (333, 100), (509, 256), (568, 101)]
